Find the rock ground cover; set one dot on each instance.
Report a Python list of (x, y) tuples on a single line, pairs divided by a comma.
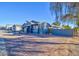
[(31, 45)]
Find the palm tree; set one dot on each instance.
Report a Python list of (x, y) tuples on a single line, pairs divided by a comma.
[(69, 15), (73, 11), (56, 9)]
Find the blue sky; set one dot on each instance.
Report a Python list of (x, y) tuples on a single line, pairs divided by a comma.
[(19, 12)]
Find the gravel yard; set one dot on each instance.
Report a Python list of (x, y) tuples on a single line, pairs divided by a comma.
[(3, 51), (31, 45)]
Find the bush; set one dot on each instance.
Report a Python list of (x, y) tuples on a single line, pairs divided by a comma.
[(66, 27), (56, 23), (76, 28), (77, 23), (50, 30)]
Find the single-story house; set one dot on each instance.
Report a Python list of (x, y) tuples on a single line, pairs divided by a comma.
[(26, 27), (35, 27), (44, 28), (17, 28), (9, 27), (60, 31), (56, 27), (31, 27)]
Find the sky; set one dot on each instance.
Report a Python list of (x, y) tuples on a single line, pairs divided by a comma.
[(19, 12)]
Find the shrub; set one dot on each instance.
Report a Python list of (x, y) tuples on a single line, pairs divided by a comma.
[(56, 23), (76, 28), (66, 27), (77, 23), (50, 30)]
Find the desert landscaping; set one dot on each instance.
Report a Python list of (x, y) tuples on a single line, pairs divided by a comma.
[(31, 45)]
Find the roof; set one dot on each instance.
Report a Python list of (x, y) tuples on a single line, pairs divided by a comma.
[(46, 24), (34, 21), (17, 25), (28, 23), (54, 26)]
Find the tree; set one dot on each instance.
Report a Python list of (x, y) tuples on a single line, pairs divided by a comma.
[(56, 10), (66, 27), (50, 30), (56, 23), (65, 11), (77, 23)]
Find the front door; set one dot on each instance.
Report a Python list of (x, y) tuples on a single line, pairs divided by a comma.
[(28, 29)]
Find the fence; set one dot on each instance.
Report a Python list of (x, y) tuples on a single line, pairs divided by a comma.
[(62, 32)]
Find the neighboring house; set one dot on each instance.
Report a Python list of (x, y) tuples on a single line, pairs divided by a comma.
[(60, 31), (56, 27), (16, 28), (26, 27), (2, 28), (35, 27), (44, 28), (31, 27), (9, 27)]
